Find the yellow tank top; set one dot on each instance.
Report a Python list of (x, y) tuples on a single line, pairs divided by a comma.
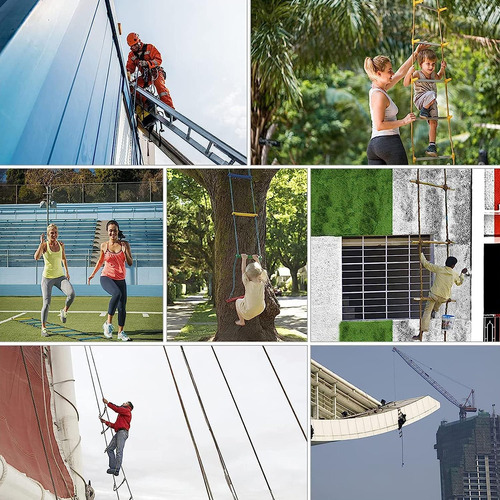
[(53, 263)]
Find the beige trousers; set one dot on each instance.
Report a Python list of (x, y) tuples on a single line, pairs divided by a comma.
[(433, 304)]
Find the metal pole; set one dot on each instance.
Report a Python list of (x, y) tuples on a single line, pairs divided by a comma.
[(48, 203)]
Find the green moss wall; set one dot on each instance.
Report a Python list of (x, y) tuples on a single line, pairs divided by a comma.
[(351, 202)]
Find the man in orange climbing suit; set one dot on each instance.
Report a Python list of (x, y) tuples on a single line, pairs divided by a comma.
[(146, 57)]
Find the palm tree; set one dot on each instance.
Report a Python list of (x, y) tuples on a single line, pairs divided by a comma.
[(291, 34)]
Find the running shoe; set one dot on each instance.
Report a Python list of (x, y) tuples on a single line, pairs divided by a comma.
[(123, 336), (44, 332), (108, 330), (425, 113), (431, 150), (63, 315)]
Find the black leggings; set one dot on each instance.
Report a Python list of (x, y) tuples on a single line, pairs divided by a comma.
[(386, 150), (118, 291)]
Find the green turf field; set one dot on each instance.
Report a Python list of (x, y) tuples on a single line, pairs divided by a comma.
[(85, 318)]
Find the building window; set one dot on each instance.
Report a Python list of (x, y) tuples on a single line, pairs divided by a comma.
[(381, 277)]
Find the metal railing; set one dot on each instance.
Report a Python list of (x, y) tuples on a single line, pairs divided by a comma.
[(109, 192), (10, 258)]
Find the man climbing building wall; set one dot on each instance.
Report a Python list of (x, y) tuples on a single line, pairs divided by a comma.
[(147, 58)]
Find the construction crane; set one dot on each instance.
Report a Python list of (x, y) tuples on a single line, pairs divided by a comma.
[(467, 407)]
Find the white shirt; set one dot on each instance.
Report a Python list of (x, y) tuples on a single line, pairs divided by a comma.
[(390, 115)]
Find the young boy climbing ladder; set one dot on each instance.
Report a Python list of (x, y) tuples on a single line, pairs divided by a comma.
[(425, 97), (254, 279)]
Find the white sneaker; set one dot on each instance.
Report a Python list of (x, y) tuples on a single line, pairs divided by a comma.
[(108, 330), (63, 315), (123, 336), (44, 332)]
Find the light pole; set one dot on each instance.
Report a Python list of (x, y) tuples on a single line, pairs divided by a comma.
[(48, 202)]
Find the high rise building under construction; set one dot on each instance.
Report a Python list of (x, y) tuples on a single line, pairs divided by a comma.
[(468, 451)]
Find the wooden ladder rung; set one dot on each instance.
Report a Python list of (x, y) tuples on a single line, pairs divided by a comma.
[(427, 242), (243, 214), (433, 158), (418, 42), (434, 117), (422, 299), (444, 186)]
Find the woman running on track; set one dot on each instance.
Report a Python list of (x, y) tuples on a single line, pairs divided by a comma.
[(114, 253), (53, 274)]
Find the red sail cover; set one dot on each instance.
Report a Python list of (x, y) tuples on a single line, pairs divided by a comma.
[(20, 441)]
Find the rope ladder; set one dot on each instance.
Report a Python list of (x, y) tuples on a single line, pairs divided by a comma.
[(442, 44)]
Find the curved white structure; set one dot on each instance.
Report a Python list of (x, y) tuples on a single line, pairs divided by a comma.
[(376, 421), (341, 411)]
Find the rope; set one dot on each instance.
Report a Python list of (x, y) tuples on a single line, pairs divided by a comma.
[(38, 421), (444, 79), (235, 213), (420, 332), (219, 452), (115, 488), (186, 418), (243, 422), (284, 392)]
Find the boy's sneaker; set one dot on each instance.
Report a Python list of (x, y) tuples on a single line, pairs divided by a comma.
[(123, 336), (44, 332), (108, 330), (431, 150), (425, 113), (63, 315)]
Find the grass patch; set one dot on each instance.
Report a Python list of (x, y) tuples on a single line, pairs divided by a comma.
[(202, 326), (351, 202), (365, 331), (137, 327)]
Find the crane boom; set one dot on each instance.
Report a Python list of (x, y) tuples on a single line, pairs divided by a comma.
[(463, 408)]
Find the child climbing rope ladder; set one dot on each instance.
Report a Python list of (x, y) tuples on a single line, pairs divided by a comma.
[(254, 279)]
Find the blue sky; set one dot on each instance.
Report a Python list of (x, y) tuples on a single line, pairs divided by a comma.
[(364, 468), (204, 49), (159, 458)]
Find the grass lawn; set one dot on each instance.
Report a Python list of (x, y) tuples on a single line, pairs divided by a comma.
[(365, 331), (202, 326), (85, 318)]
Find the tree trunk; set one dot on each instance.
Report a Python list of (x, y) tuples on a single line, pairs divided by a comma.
[(295, 280), (216, 182)]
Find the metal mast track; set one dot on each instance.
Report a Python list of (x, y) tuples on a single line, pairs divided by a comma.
[(234, 157)]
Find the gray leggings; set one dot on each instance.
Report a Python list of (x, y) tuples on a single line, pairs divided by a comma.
[(386, 150), (63, 284)]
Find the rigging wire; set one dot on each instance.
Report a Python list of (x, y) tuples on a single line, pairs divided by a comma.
[(219, 452), (243, 422), (285, 393), (38, 422), (193, 439)]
